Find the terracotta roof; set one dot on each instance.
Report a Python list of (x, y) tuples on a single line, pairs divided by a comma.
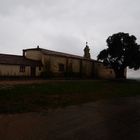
[(17, 60)]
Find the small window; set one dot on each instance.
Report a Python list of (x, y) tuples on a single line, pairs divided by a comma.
[(22, 69), (61, 67)]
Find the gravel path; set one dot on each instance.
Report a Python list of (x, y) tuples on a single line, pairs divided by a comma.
[(115, 119)]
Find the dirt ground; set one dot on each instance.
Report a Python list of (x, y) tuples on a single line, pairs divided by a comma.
[(114, 119)]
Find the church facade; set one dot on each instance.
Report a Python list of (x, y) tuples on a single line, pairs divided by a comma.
[(58, 64), (36, 62)]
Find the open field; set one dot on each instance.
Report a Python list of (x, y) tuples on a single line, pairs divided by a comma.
[(30, 96), (84, 110)]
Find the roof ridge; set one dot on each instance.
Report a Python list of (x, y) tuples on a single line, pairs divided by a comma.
[(52, 51), (11, 55)]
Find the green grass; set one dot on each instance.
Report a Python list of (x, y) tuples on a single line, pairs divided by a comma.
[(35, 97)]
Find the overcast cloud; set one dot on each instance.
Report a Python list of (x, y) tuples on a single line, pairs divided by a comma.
[(65, 25)]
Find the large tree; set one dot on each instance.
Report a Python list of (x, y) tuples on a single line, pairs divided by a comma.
[(122, 52)]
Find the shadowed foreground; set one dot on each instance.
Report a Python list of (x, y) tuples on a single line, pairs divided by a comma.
[(113, 119)]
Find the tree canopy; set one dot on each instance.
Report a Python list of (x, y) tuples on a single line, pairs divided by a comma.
[(122, 52)]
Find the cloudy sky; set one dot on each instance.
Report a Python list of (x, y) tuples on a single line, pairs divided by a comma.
[(65, 25)]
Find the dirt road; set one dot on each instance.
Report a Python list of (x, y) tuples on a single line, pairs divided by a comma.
[(115, 119)]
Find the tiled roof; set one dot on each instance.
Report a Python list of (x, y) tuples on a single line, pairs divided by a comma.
[(60, 53), (17, 60)]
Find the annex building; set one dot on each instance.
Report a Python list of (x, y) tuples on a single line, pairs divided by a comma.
[(36, 62)]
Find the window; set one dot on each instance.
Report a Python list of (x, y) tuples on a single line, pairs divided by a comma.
[(61, 67), (22, 69)]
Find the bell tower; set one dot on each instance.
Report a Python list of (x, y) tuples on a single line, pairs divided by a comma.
[(86, 51)]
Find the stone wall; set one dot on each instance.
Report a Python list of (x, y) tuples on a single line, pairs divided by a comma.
[(103, 72), (33, 54), (87, 67), (14, 70), (62, 66), (72, 67)]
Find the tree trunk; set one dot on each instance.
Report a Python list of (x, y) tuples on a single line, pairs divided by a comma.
[(120, 73)]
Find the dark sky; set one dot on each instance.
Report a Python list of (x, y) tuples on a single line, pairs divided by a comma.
[(65, 25)]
